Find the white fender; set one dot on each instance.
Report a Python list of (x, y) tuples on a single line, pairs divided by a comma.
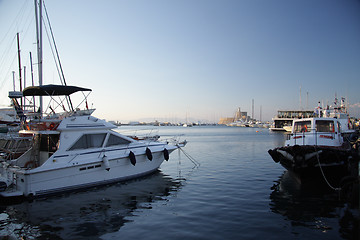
[(106, 163)]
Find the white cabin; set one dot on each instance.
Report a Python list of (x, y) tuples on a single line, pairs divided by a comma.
[(316, 132)]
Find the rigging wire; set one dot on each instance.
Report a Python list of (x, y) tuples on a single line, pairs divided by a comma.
[(57, 59), (12, 25), (54, 47), (23, 18), (8, 71)]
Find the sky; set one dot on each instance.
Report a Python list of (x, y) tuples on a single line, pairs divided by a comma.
[(200, 59)]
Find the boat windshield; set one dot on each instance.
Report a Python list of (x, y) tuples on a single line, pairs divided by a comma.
[(89, 141), (303, 126), (115, 140), (325, 126)]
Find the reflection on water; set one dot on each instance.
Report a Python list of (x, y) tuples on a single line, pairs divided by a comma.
[(85, 214), (227, 197), (315, 206)]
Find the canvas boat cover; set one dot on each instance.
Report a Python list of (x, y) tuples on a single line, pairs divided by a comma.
[(52, 90)]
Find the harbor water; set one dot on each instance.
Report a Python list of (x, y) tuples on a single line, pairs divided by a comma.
[(237, 192)]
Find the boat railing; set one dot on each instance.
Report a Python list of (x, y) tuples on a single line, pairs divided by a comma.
[(14, 147)]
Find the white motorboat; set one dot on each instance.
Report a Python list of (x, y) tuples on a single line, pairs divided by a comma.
[(62, 151), (8, 116), (75, 151)]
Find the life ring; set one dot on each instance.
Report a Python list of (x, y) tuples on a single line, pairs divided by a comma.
[(132, 158), (166, 154), (52, 126), (149, 154)]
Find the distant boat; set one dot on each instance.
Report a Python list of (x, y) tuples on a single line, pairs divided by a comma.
[(8, 116), (187, 124), (284, 119)]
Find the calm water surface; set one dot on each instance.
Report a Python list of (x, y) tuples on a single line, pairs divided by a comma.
[(237, 192)]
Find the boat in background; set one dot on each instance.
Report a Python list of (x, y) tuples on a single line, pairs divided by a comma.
[(8, 116), (9, 122), (284, 119), (317, 147)]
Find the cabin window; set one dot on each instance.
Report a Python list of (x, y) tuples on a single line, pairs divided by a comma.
[(89, 141), (48, 143), (116, 140), (304, 126), (325, 126)]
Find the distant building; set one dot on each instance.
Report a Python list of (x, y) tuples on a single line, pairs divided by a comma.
[(225, 120), (239, 116)]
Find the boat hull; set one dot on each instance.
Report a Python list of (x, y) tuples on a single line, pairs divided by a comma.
[(40, 182), (308, 162)]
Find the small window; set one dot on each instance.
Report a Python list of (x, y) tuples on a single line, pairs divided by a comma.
[(89, 141), (325, 126), (116, 140), (304, 126)]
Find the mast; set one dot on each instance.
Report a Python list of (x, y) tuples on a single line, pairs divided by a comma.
[(300, 99), (38, 18), (32, 78), (24, 87), (19, 58), (307, 101), (252, 109), (13, 73)]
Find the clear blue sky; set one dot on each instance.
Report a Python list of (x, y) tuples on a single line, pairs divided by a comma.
[(201, 58)]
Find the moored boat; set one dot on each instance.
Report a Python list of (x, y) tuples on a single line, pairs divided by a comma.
[(284, 119), (75, 150), (317, 147), (62, 150)]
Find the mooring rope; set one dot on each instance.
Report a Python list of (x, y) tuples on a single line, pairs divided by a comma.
[(322, 172), (193, 160)]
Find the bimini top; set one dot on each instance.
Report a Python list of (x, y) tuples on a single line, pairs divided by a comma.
[(52, 90)]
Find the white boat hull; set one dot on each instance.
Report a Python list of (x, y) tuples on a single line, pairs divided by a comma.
[(45, 181)]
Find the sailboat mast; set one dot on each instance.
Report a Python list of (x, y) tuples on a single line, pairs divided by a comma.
[(32, 78), (24, 87), (252, 111), (19, 58), (13, 73), (38, 17)]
